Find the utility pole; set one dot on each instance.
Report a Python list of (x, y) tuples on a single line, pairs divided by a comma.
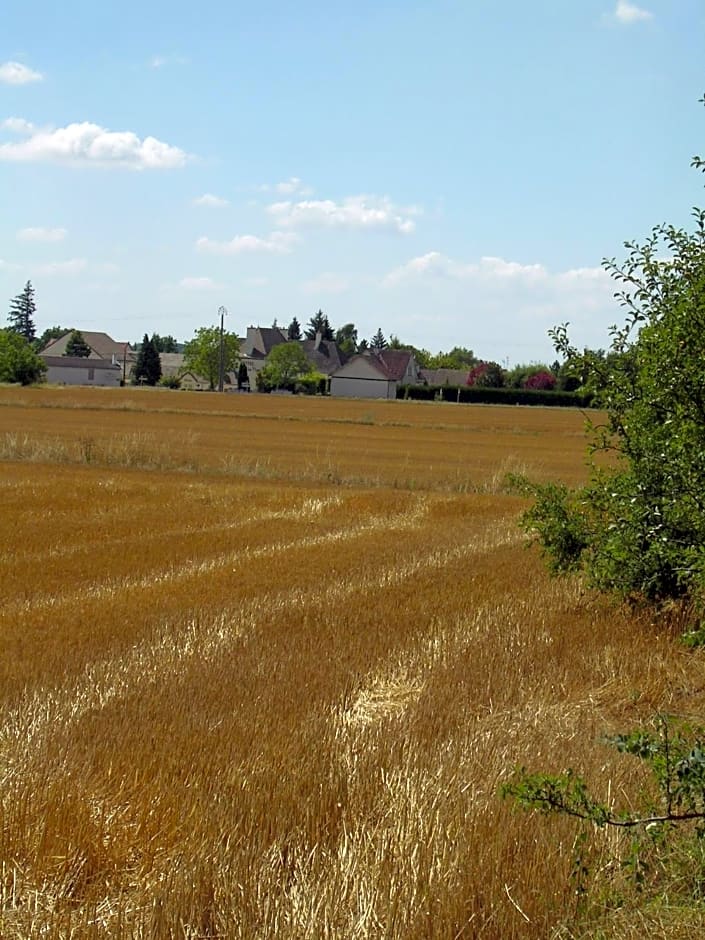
[(221, 371)]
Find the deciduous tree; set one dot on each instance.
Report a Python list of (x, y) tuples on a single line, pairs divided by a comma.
[(487, 375), (202, 353), (285, 364), (346, 339), (53, 332), (165, 344), (18, 360)]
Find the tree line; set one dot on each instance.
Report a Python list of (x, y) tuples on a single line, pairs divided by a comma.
[(19, 362)]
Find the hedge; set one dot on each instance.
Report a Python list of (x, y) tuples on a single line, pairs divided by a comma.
[(472, 394)]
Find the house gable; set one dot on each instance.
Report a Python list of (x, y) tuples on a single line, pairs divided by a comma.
[(261, 340), (101, 346), (363, 367)]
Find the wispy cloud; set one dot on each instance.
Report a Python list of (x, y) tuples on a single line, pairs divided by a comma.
[(14, 73), (86, 144), (199, 283), (41, 234), (492, 271), (276, 243), (211, 201), (63, 268), (326, 283), (294, 186), (17, 125), (355, 212), (627, 13), (503, 301)]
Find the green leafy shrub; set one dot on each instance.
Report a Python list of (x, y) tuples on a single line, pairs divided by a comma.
[(664, 824), (642, 515), (18, 360), (170, 381), (313, 383)]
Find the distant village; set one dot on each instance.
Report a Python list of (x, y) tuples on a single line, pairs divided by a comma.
[(285, 360), (371, 373)]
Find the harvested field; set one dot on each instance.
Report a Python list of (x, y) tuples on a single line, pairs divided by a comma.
[(267, 660)]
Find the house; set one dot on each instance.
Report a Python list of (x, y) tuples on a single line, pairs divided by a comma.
[(323, 354), (261, 340), (76, 370), (101, 347), (257, 345), (172, 364), (451, 377), (375, 374)]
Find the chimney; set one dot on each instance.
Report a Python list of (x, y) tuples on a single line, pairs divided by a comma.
[(319, 339)]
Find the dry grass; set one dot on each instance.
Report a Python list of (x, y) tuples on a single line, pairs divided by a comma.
[(248, 704), (410, 445)]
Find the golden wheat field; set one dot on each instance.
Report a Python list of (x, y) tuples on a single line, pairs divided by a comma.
[(266, 661)]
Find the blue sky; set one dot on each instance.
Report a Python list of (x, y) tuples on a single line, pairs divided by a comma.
[(452, 171)]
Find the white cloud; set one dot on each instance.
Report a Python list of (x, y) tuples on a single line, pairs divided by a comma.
[(63, 268), (503, 307), (276, 243), (291, 187), (354, 212), (491, 273), (626, 12), (88, 144), (326, 283), (17, 125), (14, 73), (42, 234), (199, 283), (487, 269), (211, 201)]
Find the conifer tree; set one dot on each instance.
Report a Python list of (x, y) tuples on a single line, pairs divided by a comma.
[(378, 341), (77, 346), (319, 323), (294, 330), (22, 311), (148, 366)]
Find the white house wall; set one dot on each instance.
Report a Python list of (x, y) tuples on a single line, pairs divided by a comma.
[(58, 375), (343, 387)]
